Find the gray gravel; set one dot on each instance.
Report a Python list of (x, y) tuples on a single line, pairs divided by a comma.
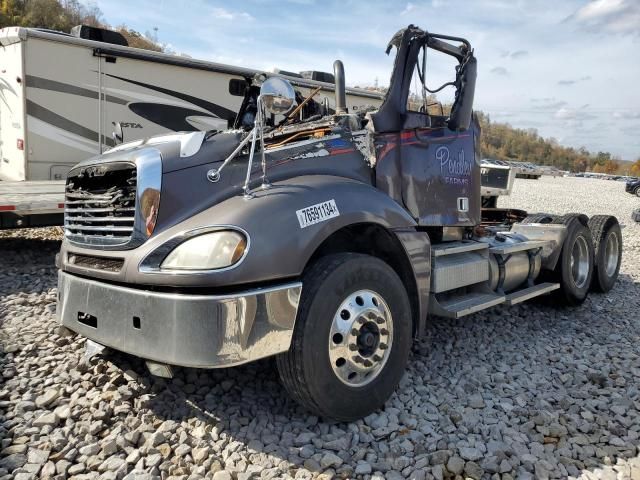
[(526, 392)]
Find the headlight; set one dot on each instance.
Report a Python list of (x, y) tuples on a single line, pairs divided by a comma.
[(207, 252)]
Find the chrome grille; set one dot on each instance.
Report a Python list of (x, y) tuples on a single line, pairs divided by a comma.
[(100, 204)]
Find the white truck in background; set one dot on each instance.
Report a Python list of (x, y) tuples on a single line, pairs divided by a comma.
[(62, 97)]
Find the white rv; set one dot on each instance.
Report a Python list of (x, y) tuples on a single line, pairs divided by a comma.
[(62, 95)]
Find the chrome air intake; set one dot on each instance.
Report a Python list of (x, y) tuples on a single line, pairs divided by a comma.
[(113, 205)]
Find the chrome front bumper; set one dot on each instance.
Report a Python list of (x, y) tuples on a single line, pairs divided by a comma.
[(206, 331)]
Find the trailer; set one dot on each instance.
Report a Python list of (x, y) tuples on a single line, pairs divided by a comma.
[(67, 97), (496, 180), (328, 242), (30, 204)]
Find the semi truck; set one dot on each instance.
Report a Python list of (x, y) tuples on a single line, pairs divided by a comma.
[(65, 97), (327, 242)]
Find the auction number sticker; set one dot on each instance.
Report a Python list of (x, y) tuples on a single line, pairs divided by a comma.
[(317, 213)]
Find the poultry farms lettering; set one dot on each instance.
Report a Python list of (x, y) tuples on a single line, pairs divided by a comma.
[(455, 170)]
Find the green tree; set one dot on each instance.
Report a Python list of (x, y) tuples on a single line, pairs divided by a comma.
[(46, 14), (610, 166), (503, 142), (137, 40), (63, 15)]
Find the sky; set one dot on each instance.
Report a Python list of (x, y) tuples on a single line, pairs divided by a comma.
[(568, 68)]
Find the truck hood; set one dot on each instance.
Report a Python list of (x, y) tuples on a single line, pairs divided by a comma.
[(187, 158), (184, 149)]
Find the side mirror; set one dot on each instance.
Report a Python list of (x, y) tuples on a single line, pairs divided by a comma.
[(277, 95), (118, 135)]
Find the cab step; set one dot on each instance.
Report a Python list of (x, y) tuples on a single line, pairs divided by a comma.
[(467, 304), (531, 292)]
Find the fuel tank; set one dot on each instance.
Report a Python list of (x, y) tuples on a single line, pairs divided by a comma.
[(516, 269)]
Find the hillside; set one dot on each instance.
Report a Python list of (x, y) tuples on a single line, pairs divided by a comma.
[(503, 142), (62, 15)]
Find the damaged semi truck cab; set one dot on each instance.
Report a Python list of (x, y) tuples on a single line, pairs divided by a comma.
[(323, 237)]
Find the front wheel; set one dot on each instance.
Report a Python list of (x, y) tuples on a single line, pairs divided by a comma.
[(637, 192), (352, 337)]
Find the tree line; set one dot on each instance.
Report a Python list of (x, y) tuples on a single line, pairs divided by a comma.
[(503, 142), (63, 15)]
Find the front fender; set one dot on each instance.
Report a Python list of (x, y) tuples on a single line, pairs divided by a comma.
[(279, 247)]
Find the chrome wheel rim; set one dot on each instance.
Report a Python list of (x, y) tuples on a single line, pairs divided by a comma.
[(360, 338), (580, 262), (611, 253)]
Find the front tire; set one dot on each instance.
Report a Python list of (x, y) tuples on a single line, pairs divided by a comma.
[(637, 192), (352, 337)]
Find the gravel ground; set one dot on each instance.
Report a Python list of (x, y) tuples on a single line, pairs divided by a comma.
[(526, 392)]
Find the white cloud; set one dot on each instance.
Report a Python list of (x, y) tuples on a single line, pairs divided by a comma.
[(225, 14), (572, 114), (565, 114), (609, 16), (409, 8), (627, 115), (598, 9), (548, 104)]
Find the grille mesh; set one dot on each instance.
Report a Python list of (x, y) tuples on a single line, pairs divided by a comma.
[(97, 263)]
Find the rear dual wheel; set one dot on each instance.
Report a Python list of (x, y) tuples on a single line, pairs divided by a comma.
[(607, 241), (352, 337), (539, 218), (590, 257), (568, 218), (575, 267)]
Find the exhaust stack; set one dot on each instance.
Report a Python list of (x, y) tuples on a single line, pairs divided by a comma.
[(341, 100)]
